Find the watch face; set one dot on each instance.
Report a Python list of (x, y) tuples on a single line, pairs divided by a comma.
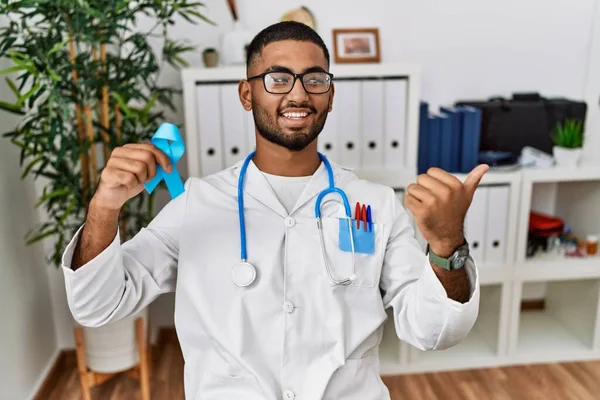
[(459, 262)]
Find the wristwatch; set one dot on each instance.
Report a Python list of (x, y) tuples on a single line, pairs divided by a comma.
[(456, 261)]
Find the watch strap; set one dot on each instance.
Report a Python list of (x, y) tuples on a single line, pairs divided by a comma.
[(439, 261)]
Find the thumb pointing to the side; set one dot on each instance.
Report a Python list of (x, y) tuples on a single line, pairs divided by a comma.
[(474, 177)]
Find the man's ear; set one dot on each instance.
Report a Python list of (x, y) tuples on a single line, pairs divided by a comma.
[(245, 93)]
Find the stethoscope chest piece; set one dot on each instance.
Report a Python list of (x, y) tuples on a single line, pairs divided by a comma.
[(243, 273)]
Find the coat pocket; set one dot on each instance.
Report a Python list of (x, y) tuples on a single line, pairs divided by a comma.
[(217, 386), (367, 260)]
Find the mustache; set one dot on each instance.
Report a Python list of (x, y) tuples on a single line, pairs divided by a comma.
[(290, 107)]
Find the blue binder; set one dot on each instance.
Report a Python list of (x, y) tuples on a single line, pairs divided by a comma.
[(445, 142), (422, 161), (455, 137), (471, 135), (434, 141)]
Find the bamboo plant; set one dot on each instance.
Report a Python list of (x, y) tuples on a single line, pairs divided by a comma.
[(85, 80)]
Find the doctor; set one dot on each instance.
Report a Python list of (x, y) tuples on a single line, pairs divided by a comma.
[(301, 317)]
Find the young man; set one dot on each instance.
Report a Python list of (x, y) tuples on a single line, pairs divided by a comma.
[(270, 304)]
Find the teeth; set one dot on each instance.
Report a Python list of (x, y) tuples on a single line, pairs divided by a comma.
[(295, 115)]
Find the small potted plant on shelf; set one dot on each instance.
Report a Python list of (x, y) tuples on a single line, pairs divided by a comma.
[(568, 142), (210, 56)]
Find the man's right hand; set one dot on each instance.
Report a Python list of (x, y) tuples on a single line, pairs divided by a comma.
[(128, 168)]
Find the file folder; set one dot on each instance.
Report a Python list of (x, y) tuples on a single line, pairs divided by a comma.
[(327, 142), (395, 122), (423, 157), (233, 122), (497, 224), (476, 225), (445, 142), (455, 137), (209, 129), (347, 96), (372, 124)]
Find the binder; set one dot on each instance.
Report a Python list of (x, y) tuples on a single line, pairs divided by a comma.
[(445, 142), (328, 143), (476, 225), (423, 157), (347, 95), (471, 132), (455, 137), (395, 94), (209, 129), (497, 224), (233, 121), (434, 140), (371, 147)]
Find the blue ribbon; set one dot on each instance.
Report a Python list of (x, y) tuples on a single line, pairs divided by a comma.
[(168, 140)]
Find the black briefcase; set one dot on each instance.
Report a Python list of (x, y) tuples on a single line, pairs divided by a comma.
[(527, 119)]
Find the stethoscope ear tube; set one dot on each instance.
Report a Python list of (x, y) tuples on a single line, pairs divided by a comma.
[(243, 273)]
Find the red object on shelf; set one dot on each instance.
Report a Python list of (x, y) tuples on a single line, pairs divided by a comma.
[(542, 225)]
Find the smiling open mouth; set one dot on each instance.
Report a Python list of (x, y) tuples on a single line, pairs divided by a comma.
[(295, 115)]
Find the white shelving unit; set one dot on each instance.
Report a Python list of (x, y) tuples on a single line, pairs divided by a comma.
[(567, 329)]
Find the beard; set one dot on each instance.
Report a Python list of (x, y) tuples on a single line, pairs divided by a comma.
[(297, 141)]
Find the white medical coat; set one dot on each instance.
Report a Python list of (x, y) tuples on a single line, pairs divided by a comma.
[(292, 334)]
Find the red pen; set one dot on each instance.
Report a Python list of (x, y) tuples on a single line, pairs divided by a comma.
[(364, 216), (357, 215)]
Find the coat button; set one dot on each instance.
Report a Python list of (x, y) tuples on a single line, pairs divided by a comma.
[(290, 222), (288, 306), (289, 395)]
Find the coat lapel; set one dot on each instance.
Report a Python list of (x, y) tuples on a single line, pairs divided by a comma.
[(257, 186)]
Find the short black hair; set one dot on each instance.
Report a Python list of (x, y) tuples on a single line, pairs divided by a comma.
[(285, 30)]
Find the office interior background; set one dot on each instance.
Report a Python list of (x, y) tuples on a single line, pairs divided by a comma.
[(540, 300)]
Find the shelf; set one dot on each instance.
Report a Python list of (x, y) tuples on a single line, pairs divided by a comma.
[(584, 172), (489, 275), (495, 177), (546, 266), (566, 328)]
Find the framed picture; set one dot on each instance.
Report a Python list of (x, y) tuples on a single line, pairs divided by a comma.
[(356, 45)]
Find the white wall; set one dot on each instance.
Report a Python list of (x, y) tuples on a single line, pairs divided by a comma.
[(465, 48), (27, 337)]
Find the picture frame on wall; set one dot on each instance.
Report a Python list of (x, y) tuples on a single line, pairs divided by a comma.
[(356, 45)]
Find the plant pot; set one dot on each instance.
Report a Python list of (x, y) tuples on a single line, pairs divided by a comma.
[(566, 157), (113, 347), (211, 59)]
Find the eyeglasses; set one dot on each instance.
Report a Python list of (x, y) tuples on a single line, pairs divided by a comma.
[(279, 82)]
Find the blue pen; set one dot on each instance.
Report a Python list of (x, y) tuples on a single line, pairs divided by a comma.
[(369, 220)]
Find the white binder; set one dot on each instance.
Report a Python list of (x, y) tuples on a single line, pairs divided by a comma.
[(395, 94), (327, 142), (475, 225), (233, 121), (497, 224), (347, 96), (371, 147), (209, 129)]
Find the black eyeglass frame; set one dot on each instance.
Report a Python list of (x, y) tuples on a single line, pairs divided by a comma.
[(295, 76)]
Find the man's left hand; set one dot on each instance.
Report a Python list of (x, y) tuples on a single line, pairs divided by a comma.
[(439, 202)]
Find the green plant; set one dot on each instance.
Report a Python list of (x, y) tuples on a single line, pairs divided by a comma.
[(568, 135), (86, 82), (210, 50)]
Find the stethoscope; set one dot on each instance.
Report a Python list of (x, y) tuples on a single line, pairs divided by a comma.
[(243, 273)]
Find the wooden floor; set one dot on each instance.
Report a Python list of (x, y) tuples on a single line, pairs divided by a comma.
[(578, 381)]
